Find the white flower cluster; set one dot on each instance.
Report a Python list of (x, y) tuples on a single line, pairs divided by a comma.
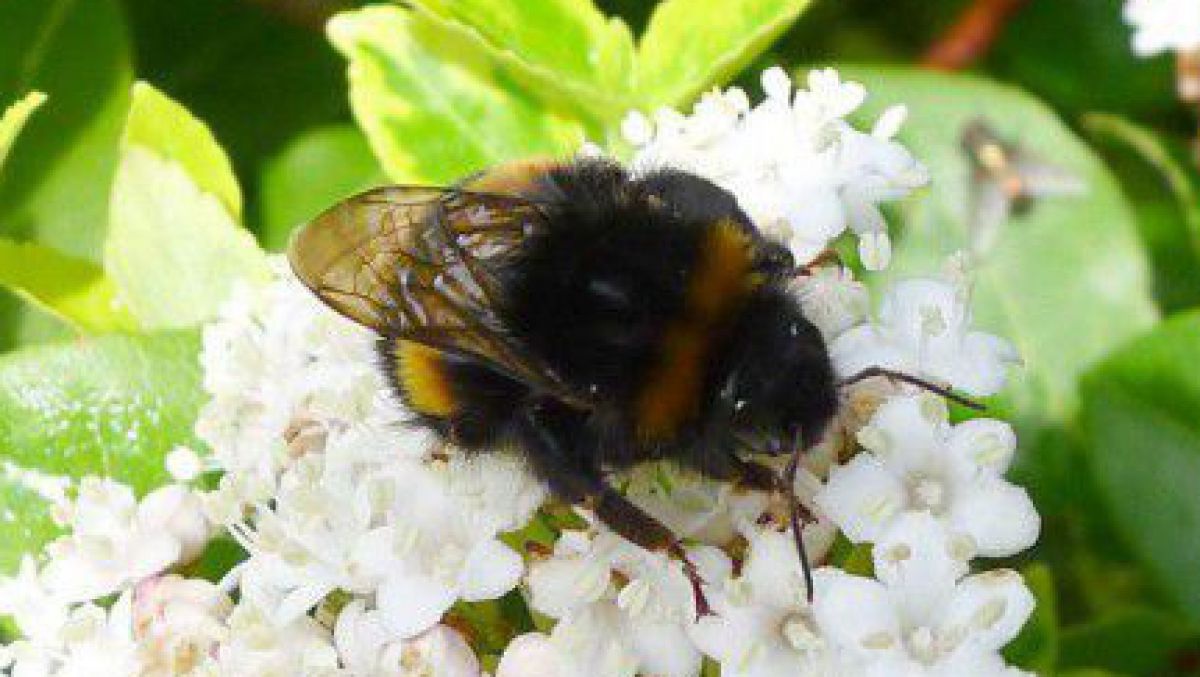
[(800, 171), (1164, 25), (373, 550)]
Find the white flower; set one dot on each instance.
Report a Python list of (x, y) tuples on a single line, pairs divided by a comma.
[(799, 170), (89, 642), (763, 625), (832, 299), (443, 545), (177, 622), (257, 645), (532, 655), (368, 649), (924, 329), (921, 618), (916, 461), (1164, 25), (36, 610), (637, 626), (183, 464), (115, 541)]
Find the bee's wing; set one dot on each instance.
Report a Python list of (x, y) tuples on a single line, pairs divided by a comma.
[(990, 207), (420, 264), (1042, 179)]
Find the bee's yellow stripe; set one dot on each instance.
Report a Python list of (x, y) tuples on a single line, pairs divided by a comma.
[(511, 178), (423, 376), (719, 281)]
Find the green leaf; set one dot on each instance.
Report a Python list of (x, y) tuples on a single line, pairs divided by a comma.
[(434, 109), (1140, 412), (1036, 648), (314, 171), (14, 119), (74, 290), (55, 191), (1134, 640), (1032, 50), (111, 406), (163, 126), (175, 249), (691, 45), (1161, 179), (1067, 282), (25, 518), (54, 187), (563, 48), (257, 79)]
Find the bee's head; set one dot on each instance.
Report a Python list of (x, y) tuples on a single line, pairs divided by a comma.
[(777, 386)]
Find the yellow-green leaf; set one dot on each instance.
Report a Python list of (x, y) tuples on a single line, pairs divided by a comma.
[(74, 290), (55, 186), (585, 60), (162, 125), (691, 45), (175, 248), (1161, 180), (315, 170), (433, 108), (14, 119), (112, 406)]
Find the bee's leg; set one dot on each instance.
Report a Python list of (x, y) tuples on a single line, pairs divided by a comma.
[(756, 476), (573, 477), (725, 467), (828, 257)]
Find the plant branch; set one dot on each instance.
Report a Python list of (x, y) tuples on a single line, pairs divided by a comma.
[(972, 35), (1187, 83)]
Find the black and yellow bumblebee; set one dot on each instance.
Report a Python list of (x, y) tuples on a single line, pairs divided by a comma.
[(589, 318)]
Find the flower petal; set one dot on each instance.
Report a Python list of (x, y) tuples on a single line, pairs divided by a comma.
[(491, 570), (917, 547), (998, 515), (984, 443), (856, 614), (664, 649), (862, 498), (987, 610), (774, 572), (907, 433), (559, 585), (411, 605), (531, 655)]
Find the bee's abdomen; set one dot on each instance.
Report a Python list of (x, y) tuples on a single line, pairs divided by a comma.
[(422, 377), (465, 401)]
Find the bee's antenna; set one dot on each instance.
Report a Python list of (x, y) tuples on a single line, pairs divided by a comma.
[(789, 477), (872, 372)]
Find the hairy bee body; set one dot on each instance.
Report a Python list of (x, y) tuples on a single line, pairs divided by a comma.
[(658, 300)]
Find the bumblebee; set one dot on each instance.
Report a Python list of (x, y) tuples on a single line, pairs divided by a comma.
[(589, 318)]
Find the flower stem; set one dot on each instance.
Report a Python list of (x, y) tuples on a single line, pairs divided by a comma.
[(1187, 83), (972, 35)]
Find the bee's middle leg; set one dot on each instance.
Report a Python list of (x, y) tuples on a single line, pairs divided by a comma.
[(574, 477)]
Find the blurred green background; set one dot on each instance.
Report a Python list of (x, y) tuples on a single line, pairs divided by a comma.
[(1099, 292)]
